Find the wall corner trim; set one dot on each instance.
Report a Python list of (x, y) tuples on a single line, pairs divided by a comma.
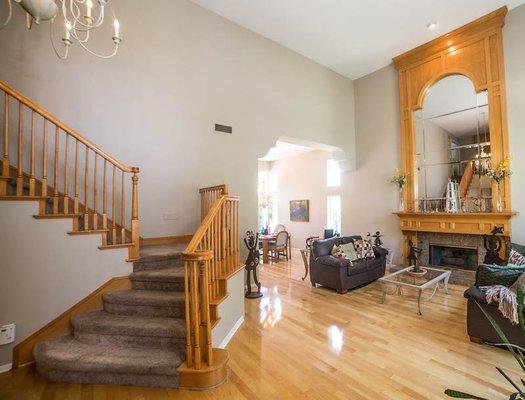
[(231, 333)]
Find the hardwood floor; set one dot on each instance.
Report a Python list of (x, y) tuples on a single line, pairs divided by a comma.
[(300, 342)]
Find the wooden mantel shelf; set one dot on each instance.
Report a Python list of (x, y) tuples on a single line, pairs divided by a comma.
[(463, 223)]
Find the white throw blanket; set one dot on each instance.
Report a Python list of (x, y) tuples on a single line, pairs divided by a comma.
[(508, 305)]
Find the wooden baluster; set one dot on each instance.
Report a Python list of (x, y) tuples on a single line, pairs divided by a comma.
[(32, 159), (75, 200), (95, 193), (55, 172), (213, 277), (86, 186), (104, 206), (205, 308), (224, 240), (134, 252), (5, 159), (195, 314), (66, 177), (122, 211), (189, 344), (113, 209), (20, 177), (44, 161)]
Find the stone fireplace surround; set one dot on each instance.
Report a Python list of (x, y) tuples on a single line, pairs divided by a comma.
[(459, 276)]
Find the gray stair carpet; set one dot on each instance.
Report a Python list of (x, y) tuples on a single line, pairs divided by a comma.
[(137, 339)]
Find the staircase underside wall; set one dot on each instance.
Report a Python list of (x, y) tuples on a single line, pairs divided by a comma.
[(231, 311), (44, 271)]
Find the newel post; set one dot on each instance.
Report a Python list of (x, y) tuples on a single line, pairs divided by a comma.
[(197, 307), (134, 251)]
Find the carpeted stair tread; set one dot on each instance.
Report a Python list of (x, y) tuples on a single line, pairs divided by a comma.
[(155, 298), (104, 323), (159, 275), (68, 354)]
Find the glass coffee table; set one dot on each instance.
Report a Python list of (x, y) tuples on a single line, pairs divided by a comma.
[(403, 279)]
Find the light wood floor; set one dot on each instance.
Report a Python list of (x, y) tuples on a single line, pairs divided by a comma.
[(300, 342)]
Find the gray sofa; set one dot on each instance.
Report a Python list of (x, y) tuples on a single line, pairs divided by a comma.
[(338, 273)]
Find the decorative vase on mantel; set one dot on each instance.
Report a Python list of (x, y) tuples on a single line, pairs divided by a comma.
[(401, 207), (499, 202), (400, 179)]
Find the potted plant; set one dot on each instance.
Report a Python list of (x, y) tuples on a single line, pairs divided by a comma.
[(400, 178), (498, 174)]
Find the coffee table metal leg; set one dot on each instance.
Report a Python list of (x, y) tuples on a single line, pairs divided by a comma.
[(446, 283)]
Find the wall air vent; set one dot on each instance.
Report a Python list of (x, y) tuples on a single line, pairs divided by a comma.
[(223, 128)]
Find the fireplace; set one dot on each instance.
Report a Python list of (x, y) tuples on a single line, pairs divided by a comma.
[(453, 256), (460, 253)]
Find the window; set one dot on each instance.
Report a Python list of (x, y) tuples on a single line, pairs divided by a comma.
[(333, 173), (333, 213), (268, 202)]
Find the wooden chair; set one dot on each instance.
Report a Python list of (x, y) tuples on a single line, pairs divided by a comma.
[(279, 228), (280, 246)]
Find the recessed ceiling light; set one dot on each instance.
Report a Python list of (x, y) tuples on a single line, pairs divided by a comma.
[(432, 25)]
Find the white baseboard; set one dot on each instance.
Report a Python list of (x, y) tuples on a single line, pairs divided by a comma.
[(231, 333), (5, 367)]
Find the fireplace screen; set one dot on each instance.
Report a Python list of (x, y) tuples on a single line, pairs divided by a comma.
[(455, 257)]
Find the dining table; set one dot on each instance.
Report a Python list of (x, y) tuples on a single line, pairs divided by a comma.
[(266, 239)]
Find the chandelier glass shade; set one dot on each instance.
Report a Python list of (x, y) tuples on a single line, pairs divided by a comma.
[(76, 19)]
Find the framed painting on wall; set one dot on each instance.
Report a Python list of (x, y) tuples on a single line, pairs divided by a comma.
[(299, 210)]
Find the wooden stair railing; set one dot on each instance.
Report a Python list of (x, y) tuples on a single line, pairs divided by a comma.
[(211, 256), (466, 179), (81, 179), (209, 195)]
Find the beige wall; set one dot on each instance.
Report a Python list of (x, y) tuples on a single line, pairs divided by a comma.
[(514, 47), (369, 197), (44, 271), (303, 177), (181, 69)]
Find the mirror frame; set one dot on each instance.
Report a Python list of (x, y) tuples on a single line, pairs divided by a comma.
[(475, 51)]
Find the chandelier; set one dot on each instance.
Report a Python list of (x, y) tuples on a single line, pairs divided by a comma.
[(79, 18)]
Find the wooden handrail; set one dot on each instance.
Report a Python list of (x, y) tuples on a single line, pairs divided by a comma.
[(90, 176), (466, 179), (51, 118), (210, 257)]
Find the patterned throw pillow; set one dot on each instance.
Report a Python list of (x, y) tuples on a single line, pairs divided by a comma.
[(349, 251), (364, 249), (337, 252), (516, 258)]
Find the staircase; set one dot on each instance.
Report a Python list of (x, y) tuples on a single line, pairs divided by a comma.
[(159, 331), (47, 161), (138, 338)]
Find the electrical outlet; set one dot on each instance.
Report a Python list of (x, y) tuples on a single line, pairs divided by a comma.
[(169, 216), (7, 334)]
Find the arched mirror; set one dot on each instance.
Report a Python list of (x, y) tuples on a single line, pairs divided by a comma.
[(452, 142)]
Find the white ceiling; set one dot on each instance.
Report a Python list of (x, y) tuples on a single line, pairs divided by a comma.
[(285, 150), (352, 37)]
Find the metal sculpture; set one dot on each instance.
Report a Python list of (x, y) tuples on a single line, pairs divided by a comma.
[(493, 245), (413, 256), (251, 241)]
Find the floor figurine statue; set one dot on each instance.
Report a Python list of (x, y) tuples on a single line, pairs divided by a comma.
[(251, 241)]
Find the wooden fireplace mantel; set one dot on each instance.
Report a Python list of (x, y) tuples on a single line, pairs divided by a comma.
[(462, 223)]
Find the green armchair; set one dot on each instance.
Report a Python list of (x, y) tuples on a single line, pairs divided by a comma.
[(478, 327)]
